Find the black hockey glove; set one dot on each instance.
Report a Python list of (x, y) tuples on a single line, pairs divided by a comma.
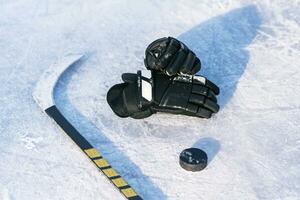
[(139, 97), (172, 57)]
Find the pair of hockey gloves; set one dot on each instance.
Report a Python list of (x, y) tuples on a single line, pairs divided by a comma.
[(169, 85)]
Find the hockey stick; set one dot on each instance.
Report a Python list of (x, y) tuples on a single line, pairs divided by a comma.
[(43, 95)]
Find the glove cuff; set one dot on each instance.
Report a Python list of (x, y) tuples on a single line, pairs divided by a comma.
[(131, 98), (116, 101)]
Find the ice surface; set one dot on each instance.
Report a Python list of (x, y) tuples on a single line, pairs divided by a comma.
[(251, 50)]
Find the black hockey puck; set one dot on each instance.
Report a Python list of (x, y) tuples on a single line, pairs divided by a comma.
[(193, 159)]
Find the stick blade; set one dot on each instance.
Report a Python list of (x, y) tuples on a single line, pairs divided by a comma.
[(43, 92)]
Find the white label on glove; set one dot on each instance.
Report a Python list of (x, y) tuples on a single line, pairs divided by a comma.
[(146, 74), (146, 90)]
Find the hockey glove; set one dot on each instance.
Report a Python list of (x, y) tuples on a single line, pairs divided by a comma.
[(172, 57), (139, 97)]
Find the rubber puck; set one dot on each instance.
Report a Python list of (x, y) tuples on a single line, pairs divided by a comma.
[(193, 159)]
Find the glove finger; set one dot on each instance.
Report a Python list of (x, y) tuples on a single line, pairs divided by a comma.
[(204, 81), (157, 45), (167, 55), (212, 96), (183, 47), (205, 91), (154, 51), (186, 68), (213, 87), (174, 66), (203, 112), (196, 67), (198, 111), (204, 102)]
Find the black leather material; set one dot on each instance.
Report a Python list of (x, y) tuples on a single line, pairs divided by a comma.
[(124, 98), (182, 94), (172, 57), (185, 95)]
